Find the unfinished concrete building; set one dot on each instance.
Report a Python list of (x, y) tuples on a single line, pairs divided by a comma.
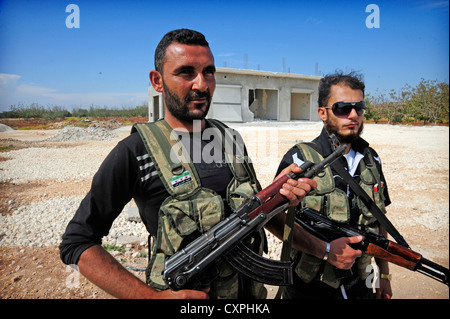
[(247, 95)]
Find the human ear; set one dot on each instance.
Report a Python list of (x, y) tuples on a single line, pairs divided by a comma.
[(322, 113), (156, 80)]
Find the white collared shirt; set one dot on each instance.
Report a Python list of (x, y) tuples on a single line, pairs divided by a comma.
[(353, 158)]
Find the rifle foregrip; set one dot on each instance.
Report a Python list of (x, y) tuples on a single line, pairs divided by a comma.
[(272, 189), (377, 251), (404, 252), (270, 197)]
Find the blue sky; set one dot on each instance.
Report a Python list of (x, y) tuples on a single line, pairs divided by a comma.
[(106, 61)]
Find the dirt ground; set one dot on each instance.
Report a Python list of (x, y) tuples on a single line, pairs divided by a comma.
[(415, 161)]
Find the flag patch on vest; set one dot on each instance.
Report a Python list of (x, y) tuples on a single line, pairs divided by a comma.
[(182, 179)]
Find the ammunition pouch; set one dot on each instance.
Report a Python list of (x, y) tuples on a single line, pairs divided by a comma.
[(191, 209), (333, 202)]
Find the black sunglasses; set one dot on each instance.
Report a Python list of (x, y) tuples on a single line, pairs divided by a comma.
[(344, 108)]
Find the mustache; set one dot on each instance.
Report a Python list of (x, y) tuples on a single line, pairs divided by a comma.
[(193, 95)]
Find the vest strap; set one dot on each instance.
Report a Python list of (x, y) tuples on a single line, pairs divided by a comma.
[(170, 157), (382, 219)]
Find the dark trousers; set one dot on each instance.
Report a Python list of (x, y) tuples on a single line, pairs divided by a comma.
[(319, 290)]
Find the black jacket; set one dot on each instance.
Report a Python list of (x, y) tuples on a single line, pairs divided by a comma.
[(324, 148), (128, 173)]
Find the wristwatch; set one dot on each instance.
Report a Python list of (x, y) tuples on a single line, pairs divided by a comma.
[(386, 276), (327, 252)]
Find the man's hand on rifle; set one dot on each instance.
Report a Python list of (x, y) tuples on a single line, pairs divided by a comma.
[(184, 294), (295, 190), (341, 254)]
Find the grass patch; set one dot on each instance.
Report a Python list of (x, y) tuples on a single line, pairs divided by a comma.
[(110, 247)]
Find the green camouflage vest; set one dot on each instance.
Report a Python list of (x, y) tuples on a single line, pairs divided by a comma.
[(333, 202), (192, 209)]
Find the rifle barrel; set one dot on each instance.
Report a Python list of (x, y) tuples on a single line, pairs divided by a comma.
[(317, 168), (433, 270)]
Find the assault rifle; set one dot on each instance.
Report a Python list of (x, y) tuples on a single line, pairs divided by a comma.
[(372, 244), (187, 267)]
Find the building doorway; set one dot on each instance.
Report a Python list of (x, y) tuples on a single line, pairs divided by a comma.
[(264, 103), (300, 106)]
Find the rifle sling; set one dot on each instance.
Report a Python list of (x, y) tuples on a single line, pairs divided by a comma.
[(287, 242), (382, 219)]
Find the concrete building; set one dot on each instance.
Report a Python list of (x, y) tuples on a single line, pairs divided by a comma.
[(246, 95)]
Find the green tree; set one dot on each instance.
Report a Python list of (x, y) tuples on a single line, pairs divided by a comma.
[(430, 101)]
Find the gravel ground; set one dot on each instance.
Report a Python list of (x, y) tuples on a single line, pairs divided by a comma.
[(46, 174), (29, 224)]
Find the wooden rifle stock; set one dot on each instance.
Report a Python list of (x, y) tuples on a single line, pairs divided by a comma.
[(395, 254), (183, 270), (372, 244), (270, 197), (404, 252)]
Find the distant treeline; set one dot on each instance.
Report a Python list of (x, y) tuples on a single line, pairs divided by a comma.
[(428, 102), (54, 112)]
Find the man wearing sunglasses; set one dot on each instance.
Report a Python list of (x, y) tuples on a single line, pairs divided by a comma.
[(341, 108)]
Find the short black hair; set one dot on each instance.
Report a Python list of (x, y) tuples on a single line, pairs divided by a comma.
[(182, 36), (353, 80)]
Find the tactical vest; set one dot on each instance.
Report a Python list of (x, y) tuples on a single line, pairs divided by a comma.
[(334, 202), (190, 209)]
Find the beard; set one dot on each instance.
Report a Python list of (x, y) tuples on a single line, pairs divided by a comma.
[(179, 108), (331, 128)]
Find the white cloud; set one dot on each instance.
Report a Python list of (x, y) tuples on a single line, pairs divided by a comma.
[(8, 79), (33, 90), (312, 20), (13, 92), (98, 98), (443, 5)]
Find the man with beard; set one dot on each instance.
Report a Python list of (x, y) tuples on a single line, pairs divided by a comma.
[(341, 108), (177, 201)]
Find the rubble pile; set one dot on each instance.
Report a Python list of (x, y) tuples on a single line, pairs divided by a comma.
[(73, 133)]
